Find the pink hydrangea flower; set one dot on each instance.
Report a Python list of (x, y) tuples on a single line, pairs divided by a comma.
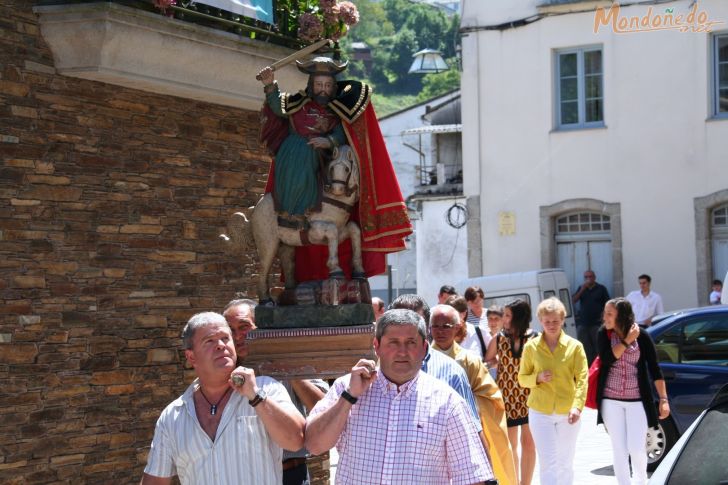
[(327, 4), (310, 27), (331, 15), (348, 13)]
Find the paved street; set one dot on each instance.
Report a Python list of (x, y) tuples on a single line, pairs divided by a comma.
[(592, 464)]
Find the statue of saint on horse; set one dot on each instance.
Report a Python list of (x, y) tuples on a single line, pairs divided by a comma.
[(331, 180)]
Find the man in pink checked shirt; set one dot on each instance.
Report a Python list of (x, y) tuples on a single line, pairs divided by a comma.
[(396, 424)]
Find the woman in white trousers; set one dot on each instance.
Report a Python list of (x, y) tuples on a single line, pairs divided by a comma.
[(554, 367), (624, 396)]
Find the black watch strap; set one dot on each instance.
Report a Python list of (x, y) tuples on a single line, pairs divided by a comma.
[(259, 398), (349, 397)]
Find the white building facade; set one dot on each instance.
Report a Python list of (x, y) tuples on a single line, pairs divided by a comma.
[(410, 152), (600, 150)]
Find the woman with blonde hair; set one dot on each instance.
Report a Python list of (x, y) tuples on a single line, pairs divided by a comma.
[(554, 367)]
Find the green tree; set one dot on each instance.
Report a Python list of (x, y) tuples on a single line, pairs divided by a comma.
[(429, 25), (397, 12), (436, 84), (373, 22), (380, 73), (452, 37), (400, 59)]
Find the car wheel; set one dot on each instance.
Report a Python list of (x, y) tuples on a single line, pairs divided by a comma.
[(659, 441)]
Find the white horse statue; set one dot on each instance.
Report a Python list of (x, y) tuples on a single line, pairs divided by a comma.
[(330, 226)]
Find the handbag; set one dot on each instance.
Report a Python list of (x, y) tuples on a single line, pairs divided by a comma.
[(592, 382)]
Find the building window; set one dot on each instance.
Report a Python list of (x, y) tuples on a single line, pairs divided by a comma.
[(720, 69), (583, 222), (720, 218), (579, 88)]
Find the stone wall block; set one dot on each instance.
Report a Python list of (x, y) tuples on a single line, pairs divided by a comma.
[(151, 321), (121, 376), (29, 282), (63, 460), (49, 180), (99, 362), (18, 353), (59, 268), (114, 272), (14, 89), (106, 344), (161, 356), (173, 256), (52, 193)]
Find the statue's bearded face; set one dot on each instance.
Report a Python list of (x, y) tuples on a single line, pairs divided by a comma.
[(322, 88)]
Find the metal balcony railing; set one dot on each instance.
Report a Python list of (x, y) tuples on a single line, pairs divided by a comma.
[(440, 174), (282, 32)]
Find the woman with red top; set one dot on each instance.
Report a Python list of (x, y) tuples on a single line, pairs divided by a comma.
[(624, 397)]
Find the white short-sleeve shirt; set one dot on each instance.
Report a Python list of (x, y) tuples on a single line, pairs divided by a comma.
[(242, 452), (471, 342)]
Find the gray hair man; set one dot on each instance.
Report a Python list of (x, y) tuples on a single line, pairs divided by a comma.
[(430, 435), (305, 393), (199, 436)]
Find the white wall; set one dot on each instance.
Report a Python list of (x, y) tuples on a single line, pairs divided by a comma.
[(655, 155), (441, 251), (405, 161), (498, 11)]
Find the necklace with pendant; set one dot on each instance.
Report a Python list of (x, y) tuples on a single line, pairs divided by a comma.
[(213, 407)]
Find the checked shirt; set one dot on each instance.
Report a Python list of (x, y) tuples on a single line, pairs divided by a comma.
[(421, 434)]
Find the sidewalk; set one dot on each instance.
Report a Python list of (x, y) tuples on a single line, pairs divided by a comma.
[(592, 463)]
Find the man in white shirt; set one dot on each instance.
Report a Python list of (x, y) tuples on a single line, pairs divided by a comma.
[(304, 393), (645, 303), (224, 429)]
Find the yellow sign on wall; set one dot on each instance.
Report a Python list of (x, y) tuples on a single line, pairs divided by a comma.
[(507, 223)]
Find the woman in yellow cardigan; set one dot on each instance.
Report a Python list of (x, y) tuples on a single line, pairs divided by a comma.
[(554, 367), (444, 325)]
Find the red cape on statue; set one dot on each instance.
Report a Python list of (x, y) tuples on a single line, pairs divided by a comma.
[(381, 212)]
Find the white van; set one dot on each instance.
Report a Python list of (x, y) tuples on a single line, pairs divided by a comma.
[(532, 286)]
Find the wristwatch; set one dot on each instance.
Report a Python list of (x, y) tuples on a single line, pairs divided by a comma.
[(346, 395), (260, 396)]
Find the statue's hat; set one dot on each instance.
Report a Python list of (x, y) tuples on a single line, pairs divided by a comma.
[(321, 65)]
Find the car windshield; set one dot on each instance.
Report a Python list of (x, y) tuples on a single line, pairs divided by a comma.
[(703, 459)]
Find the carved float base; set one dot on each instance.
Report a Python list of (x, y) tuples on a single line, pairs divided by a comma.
[(306, 353)]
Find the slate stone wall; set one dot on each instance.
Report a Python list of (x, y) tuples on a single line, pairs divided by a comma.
[(111, 201)]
